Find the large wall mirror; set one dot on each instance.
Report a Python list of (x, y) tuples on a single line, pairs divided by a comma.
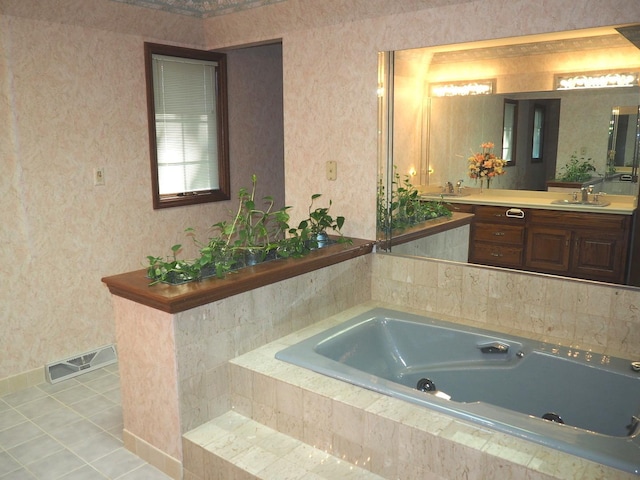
[(523, 95)]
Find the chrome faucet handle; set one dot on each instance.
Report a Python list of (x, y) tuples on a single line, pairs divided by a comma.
[(575, 196), (597, 195), (590, 189)]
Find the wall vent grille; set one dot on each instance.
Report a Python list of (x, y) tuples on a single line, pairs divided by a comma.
[(79, 364)]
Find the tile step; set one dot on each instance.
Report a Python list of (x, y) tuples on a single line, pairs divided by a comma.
[(233, 446)]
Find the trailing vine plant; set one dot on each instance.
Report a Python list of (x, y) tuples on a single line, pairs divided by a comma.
[(404, 208)]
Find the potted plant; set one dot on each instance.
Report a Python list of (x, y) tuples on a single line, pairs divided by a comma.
[(172, 270), (313, 230), (577, 170), (252, 236), (254, 233)]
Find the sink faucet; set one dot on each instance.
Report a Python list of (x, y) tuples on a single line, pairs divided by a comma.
[(448, 187), (586, 192), (459, 185)]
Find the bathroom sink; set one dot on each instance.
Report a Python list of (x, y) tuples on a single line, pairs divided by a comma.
[(590, 203), (444, 194)]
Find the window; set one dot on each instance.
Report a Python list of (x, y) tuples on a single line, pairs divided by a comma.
[(537, 142), (509, 130), (188, 138)]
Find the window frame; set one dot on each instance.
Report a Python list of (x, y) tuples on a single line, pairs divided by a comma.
[(538, 134), (223, 192), (513, 126)]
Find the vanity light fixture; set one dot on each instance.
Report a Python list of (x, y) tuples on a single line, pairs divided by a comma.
[(454, 89), (600, 80)]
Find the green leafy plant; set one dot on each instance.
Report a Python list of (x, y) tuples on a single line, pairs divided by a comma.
[(262, 232), (405, 208), (171, 269), (254, 232), (314, 229), (577, 170)]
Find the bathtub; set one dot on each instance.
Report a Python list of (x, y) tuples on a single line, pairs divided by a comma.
[(590, 402)]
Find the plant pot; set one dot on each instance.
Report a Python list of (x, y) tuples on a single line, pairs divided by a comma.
[(178, 278), (253, 257), (319, 240)]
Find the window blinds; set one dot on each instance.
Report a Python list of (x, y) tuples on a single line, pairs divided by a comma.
[(186, 129)]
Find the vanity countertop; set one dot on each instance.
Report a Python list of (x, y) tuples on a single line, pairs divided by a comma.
[(619, 204)]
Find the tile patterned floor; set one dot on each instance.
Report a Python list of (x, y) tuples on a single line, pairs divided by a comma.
[(71, 430)]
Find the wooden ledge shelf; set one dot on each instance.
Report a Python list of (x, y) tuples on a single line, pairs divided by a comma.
[(428, 228), (178, 298)]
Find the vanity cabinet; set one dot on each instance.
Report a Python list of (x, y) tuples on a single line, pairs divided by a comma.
[(582, 245), (575, 244), (497, 236)]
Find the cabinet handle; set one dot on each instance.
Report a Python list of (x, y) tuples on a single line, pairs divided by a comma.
[(498, 234), (496, 254), (515, 213)]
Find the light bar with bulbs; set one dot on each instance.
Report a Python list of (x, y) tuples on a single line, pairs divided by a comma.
[(455, 89), (603, 80)]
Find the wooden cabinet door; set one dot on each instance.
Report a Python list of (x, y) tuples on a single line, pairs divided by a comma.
[(599, 256), (548, 249)]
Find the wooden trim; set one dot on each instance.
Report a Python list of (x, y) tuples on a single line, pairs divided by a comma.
[(178, 298), (428, 228)]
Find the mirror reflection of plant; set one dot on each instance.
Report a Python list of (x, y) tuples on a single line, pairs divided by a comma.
[(577, 170), (405, 208)]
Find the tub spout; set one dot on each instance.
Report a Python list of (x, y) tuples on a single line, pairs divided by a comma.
[(494, 347)]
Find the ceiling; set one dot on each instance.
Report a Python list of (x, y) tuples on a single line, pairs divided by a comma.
[(532, 48), (563, 42), (200, 8)]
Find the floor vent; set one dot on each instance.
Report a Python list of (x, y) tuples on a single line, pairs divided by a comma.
[(79, 364)]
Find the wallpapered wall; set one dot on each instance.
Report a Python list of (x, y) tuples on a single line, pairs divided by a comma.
[(72, 98)]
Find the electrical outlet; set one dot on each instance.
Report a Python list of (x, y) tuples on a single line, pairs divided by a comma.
[(332, 170), (98, 177)]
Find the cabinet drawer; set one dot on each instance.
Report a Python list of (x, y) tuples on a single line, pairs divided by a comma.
[(499, 233), (499, 255), (511, 215), (597, 221)]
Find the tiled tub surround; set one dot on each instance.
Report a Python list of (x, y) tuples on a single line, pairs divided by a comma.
[(174, 367), (390, 437), (449, 245), (593, 316)]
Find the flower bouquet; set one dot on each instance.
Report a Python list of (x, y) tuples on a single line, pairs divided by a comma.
[(485, 165)]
